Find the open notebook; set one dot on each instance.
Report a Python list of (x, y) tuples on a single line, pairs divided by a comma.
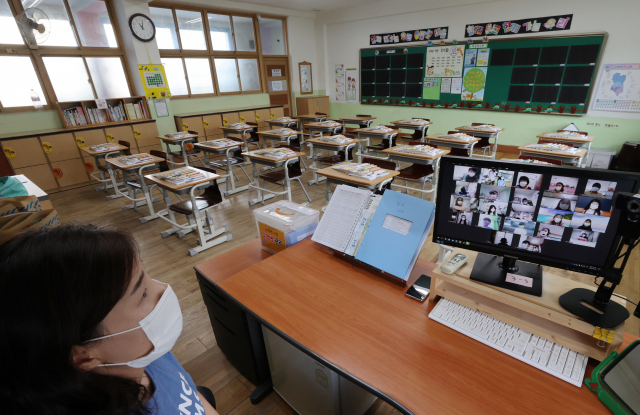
[(386, 232)]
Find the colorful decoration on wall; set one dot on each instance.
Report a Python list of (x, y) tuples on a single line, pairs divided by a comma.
[(518, 27), (419, 35)]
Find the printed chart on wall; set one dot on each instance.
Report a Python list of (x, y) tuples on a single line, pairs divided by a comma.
[(619, 88), (445, 60), (340, 87), (154, 81), (352, 85)]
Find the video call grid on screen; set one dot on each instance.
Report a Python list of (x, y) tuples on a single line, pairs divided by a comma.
[(567, 218)]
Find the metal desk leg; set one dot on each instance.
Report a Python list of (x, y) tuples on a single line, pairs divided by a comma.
[(495, 146), (256, 182), (434, 182), (314, 167), (328, 193), (172, 216)]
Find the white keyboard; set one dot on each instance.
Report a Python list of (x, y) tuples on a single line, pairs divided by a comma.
[(543, 354)]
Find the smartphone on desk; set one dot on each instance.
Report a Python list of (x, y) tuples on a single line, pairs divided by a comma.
[(420, 289)]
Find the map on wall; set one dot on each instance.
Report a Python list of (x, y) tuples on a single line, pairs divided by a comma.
[(445, 61), (619, 88)]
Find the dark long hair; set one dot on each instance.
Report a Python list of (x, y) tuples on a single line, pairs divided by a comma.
[(56, 287)]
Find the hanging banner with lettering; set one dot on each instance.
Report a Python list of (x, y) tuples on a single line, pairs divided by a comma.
[(521, 26), (419, 35)]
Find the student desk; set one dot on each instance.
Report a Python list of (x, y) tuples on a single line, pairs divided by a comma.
[(359, 121), (207, 239), (365, 328), (136, 169), (321, 128), (275, 123), (403, 124), (443, 140), (367, 134), (276, 135), (103, 155), (226, 150), (307, 118), (574, 159), (255, 159), (181, 141), (337, 177), (581, 141), (316, 143), (483, 132), (399, 156)]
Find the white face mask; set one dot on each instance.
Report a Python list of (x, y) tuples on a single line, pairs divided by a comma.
[(558, 188), (162, 326), (556, 220), (459, 203), (594, 189), (594, 206), (523, 184)]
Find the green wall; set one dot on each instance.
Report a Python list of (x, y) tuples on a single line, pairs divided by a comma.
[(519, 128), (29, 121)]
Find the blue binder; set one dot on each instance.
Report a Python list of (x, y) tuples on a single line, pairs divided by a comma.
[(391, 250)]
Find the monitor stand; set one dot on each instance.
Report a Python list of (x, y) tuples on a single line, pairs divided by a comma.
[(493, 270)]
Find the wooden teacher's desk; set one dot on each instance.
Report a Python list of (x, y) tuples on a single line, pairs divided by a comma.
[(365, 328)]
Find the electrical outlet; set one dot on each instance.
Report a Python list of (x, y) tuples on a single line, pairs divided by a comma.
[(611, 126)]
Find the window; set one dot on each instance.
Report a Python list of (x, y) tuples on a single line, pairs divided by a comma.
[(80, 59), (214, 52)]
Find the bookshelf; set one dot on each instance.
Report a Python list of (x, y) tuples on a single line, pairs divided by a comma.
[(77, 114)]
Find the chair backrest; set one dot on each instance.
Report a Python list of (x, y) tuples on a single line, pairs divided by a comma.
[(551, 161), (474, 124), (212, 193), (294, 168), (384, 164), (544, 141), (126, 152), (363, 116), (164, 166), (577, 132)]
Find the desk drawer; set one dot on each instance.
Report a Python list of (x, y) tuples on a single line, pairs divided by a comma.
[(221, 307)]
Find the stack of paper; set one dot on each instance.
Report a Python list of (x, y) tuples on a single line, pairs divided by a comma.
[(420, 149), (281, 131), (135, 159), (182, 176), (239, 126), (283, 119), (179, 134), (338, 139), (221, 142), (418, 121), (379, 128), (553, 147), (277, 153), (104, 147), (485, 127), (457, 136), (566, 134), (327, 124), (362, 170)]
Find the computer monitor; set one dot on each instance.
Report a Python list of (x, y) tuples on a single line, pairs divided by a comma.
[(526, 215)]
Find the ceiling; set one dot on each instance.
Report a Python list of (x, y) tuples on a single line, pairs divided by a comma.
[(308, 5)]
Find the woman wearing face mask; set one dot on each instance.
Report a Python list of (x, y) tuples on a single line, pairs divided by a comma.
[(523, 183), (520, 230), (593, 208), (471, 176), (88, 331), (463, 220), (559, 188), (556, 220), (594, 191), (544, 233), (459, 202), (586, 225), (492, 210), (564, 204)]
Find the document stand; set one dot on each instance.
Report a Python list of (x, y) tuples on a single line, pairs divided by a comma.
[(542, 316), (362, 265)]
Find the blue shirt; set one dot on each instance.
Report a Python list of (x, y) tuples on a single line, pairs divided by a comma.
[(175, 392)]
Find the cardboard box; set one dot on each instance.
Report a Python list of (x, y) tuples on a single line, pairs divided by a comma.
[(12, 205), (11, 226)]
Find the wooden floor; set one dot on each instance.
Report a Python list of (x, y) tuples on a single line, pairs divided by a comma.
[(167, 260)]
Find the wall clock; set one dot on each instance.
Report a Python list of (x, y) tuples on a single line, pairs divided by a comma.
[(142, 27)]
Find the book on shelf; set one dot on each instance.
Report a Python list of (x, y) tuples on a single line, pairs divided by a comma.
[(131, 113), (421, 149), (386, 232), (563, 148), (338, 139), (362, 170), (104, 147), (179, 134), (182, 176), (276, 153), (74, 117), (221, 142), (135, 159), (456, 136), (117, 113), (138, 112)]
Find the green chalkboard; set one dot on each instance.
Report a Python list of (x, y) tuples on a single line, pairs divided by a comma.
[(541, 74)]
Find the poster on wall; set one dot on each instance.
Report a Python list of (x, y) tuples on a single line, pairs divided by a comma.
[(416, 35), (431, 88), (352, 85), (483, 57), (154, 81), (619, 88), (520, 26), (445, 61), (340, 87), (473, 84)]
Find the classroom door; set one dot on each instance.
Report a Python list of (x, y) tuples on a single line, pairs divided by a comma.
[(278, 78)]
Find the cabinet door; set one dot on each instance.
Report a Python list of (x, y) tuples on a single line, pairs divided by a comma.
[(147, 149), (90, 166), (41, 175), (60, 147), (24, 152), (302, 106), (192, 123), (262, 116), (247, 116), (90, 138), (230, 118), (121, 133), (277, 112), (70, 172), (323, 105), (146, 134), (212, 124)]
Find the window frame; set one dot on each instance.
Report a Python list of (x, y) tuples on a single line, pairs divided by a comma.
[(214, 54), (65, 51)]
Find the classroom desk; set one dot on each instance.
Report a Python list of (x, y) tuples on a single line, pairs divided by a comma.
[(307, 118), (137, 169), (337, 177), (275, 135), (581, 141), (366, 329), (103, 155), (242, 131), (425, 159), (366, 134), (255, 159), (574, 159), (359, 121), (181, 141), (315, 144), (404, 125), (321, 128), (207, 239), (483, 132), (275, 123), (226, 150), (442, 140)]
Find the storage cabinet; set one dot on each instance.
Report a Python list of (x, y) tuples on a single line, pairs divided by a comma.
[(69, 172), (277, 112), (262, 117), (146, 135), (247, 116), (60, 147), (230, 118), (312, 104), (90, 138), (41, 175), (190, 123), (121, 133), (212, 124), (24, 152)]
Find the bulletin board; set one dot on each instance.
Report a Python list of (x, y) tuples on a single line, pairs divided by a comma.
[(535, 74)]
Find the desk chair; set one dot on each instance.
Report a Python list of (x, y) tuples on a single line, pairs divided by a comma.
[(254, 138), (546, 160), (484, 143), (383, 164), (417, 173), (284, 176), (545, 141), (191, 151), (385, 144), (460, 152), (237, 159), (341, 156), (416, 136)]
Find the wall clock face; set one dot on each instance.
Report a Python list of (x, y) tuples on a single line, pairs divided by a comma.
[(142, 27)]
